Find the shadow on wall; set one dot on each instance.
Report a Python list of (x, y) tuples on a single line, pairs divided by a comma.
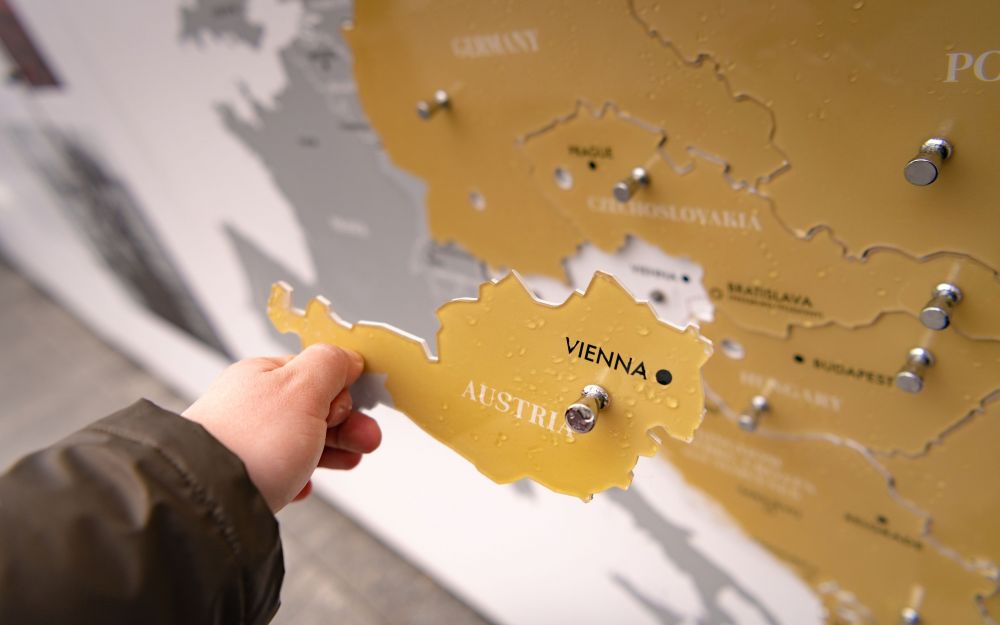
[(110, 219)]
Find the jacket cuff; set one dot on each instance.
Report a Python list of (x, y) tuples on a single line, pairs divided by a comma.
[(219, 486)]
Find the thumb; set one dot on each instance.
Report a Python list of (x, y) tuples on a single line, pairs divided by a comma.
[(327, 367)]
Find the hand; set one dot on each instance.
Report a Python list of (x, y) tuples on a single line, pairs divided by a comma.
[(288, 415)]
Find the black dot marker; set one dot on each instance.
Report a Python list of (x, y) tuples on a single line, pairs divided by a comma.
[(798, 358), (664, 377)]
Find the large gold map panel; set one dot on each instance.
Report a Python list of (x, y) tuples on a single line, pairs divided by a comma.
[(827, 511), (774, 137), (508, 69), (856, 87), (695, 211), (842, 382), (508, 366), (937, 480)]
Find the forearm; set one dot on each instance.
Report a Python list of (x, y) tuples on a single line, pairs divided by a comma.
[(140, 517)]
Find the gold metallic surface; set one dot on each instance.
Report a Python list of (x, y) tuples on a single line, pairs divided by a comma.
[(842, 382), (826, 510), (696, 212), (774, 136), (855, 89), (522, 114), (403, 51), (937, 479), (507, 367)]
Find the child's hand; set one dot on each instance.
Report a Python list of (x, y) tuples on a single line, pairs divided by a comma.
[(288, 415)]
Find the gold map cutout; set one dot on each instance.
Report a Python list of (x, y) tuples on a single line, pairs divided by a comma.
[(509, 365)]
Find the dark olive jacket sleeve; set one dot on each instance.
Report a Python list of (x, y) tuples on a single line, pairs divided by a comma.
[(141, 518)]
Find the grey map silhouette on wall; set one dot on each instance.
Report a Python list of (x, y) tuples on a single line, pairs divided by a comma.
[(220, 19), (363, 220)]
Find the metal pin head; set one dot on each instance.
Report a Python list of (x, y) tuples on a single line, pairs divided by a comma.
[(909, 382), (948, 290), (748, 422), (937, 146), (580, 418), (909, 616), (935, 317), (751, 416), (920, 356), (622, 191), (427, 108), (911, 377), (581, 415), (625, 189), (923, 169), (936, 314)]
